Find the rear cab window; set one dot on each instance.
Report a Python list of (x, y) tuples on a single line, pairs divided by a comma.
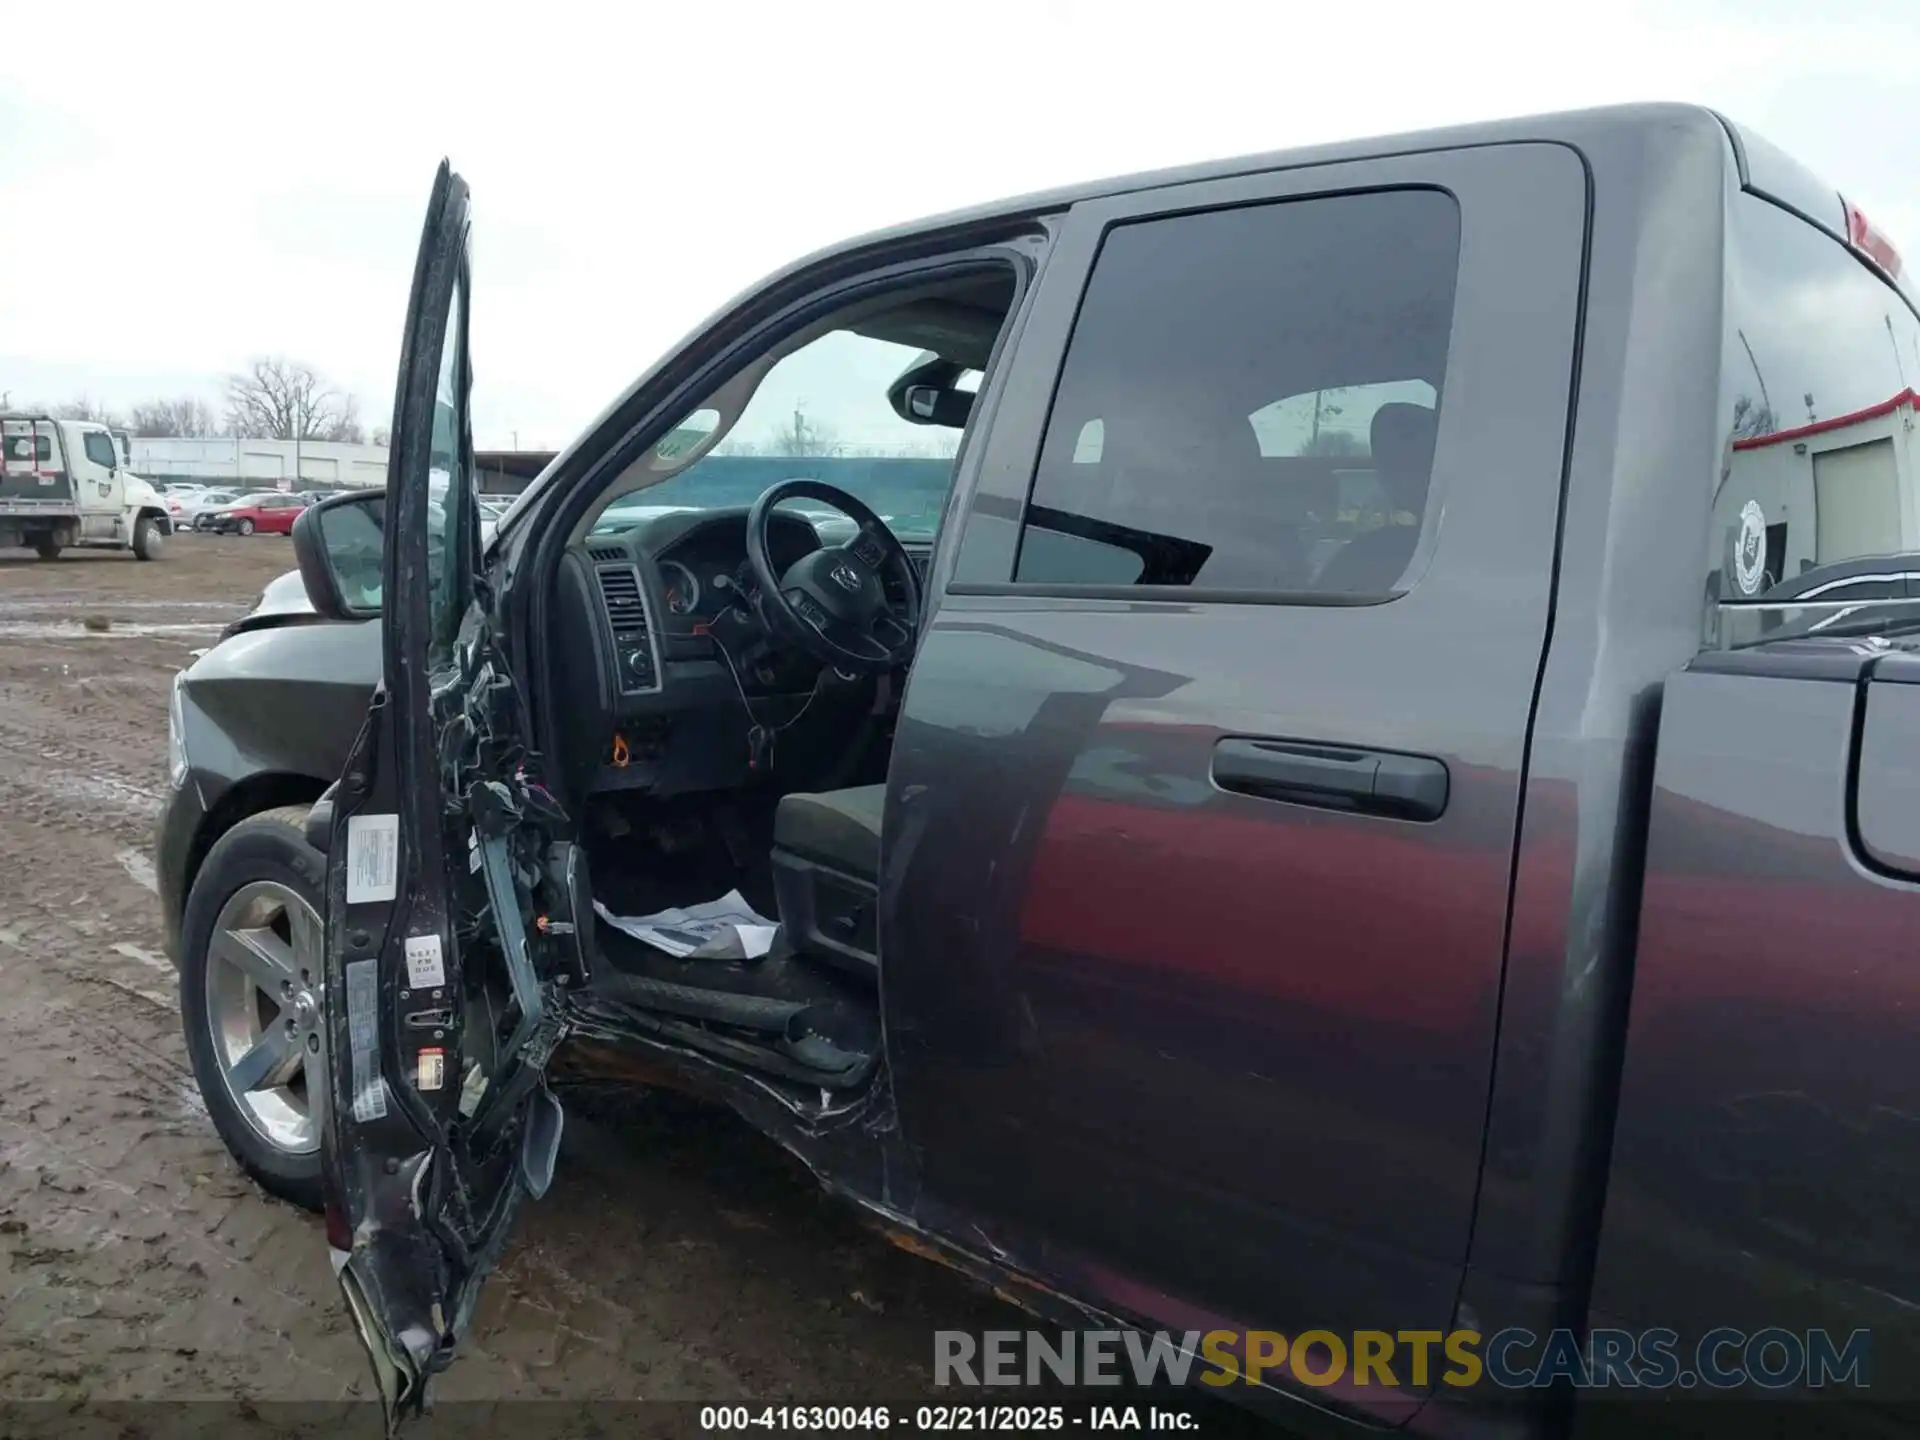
[(1816, 514)]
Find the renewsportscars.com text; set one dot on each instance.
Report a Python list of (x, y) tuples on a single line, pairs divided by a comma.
[(1724, 1359)]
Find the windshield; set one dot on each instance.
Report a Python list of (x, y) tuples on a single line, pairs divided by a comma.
[(908, 494), (821, 413)]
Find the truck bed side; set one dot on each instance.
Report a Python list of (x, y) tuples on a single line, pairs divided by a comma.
[(1767, 1155)]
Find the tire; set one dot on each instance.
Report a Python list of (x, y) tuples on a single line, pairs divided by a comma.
[(263, 857), (146, 539), (46, 547), (246, 527)]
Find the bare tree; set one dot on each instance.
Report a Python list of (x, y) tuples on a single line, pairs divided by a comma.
[(1324, 409), (939, 445), (186, 417), (1334, 443), (279, 399), (1751, 421), (800, 437), (82, 408)]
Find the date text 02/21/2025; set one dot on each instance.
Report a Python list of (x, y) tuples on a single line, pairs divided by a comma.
[(941, 1419)]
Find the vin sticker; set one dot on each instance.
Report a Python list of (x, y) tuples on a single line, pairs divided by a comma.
[(373, 858), (425, 968), (363, 1037), (433, 1070)]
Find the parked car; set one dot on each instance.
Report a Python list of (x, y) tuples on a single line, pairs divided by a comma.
[(204, 517), (1319, 885), (203, 504), (269, 512)]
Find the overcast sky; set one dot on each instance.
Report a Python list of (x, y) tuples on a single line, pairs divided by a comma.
[(186, 185)]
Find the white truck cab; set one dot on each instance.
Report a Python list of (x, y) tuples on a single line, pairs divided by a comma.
[(67, 482)]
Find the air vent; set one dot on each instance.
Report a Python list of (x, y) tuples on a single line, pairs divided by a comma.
[(620, 590), (606, 555), (896, 595), (636, 659)]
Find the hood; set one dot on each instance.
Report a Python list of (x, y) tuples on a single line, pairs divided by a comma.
[(283, 602)]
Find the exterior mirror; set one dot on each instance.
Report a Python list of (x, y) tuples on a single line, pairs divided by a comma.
[(340, 543)]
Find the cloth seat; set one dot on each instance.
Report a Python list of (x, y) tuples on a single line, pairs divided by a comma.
[(836, 828), (1373, 561)]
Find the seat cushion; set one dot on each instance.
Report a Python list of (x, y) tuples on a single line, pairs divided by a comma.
[(836, 828)]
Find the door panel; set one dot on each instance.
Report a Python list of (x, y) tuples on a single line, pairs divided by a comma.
[(1212, 1054), (438, 1123)]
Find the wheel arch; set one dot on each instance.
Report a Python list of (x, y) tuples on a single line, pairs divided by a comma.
[(241, 801)]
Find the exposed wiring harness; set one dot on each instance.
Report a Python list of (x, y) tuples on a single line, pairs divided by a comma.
[(762, 737)]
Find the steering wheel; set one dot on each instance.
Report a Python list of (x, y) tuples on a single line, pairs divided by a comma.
[(832, 603)]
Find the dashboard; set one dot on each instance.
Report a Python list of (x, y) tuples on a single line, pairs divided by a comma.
[(702, 570), (652, 702)]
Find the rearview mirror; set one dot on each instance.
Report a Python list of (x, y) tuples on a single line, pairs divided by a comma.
[(927, 393), (340, 543)]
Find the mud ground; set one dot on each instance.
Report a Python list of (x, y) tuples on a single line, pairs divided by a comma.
[(677, 1257)]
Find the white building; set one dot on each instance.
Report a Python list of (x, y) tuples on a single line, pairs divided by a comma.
[(261, 464), (1827, 491)]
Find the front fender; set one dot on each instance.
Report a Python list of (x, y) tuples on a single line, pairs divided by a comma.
[(264, 718)]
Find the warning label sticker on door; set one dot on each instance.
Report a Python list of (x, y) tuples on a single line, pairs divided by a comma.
[(373, 858), (432, 1073), (425, 968), (363, 1038)]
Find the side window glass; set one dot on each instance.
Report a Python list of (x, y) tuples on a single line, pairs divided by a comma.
[(1250, 401), (449, 488), (1817, 503), (100, 450)]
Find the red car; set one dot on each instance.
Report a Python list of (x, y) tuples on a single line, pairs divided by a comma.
[(272, 512)]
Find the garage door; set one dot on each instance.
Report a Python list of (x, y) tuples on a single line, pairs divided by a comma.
[(1856, 499)]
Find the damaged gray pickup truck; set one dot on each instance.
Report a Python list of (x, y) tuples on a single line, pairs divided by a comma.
[(1378, 797)]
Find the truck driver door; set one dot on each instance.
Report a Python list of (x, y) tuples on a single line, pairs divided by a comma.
[(437, 1118)]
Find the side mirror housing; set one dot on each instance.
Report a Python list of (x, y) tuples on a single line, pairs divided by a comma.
[(340, 543)]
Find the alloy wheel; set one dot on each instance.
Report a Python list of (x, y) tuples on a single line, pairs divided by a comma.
[(264, 970)]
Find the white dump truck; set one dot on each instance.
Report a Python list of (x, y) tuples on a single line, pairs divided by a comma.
[(67, 482)]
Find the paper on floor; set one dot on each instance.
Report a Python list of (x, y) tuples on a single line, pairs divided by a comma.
[(727, 928)]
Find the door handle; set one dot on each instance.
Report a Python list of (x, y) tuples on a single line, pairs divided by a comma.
[(1333, 777)]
